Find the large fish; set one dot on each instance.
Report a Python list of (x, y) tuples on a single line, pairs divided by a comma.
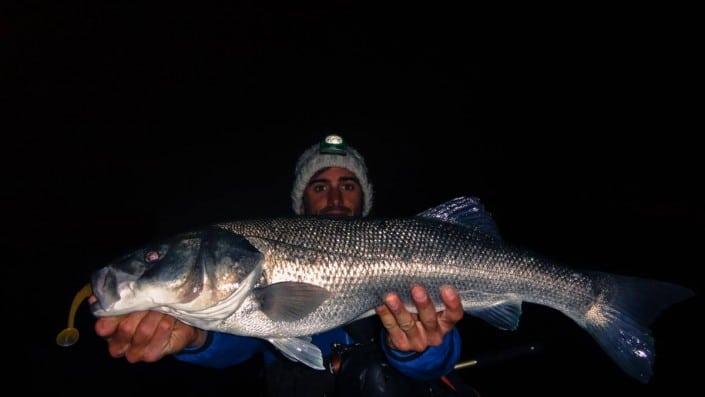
[(285, 279)]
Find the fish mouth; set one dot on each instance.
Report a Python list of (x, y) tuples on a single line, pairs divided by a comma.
[(104, 285), (96, 308)]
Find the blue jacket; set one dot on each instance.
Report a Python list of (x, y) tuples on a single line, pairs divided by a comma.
[(223, 350)]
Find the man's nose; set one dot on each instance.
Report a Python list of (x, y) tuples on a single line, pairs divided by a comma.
[(335, 197)]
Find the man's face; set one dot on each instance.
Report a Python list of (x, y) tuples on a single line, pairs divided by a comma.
[(333, 191)]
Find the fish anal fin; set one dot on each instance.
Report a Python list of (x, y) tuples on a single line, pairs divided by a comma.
[(301, 350)]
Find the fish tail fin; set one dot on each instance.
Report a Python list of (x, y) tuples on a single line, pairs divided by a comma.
[(619, 318)]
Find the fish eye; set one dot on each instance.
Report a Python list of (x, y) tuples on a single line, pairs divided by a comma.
[(151, 256), (155, 253)]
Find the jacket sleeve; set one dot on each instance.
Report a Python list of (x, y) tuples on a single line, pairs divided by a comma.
[(430, 364), (222, 350)]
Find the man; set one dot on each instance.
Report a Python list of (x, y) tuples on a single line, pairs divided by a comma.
[(331, 180)]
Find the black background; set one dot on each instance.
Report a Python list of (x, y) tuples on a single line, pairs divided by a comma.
[(576, 127)]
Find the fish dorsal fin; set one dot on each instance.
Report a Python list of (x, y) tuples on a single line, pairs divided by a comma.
[(290, 300), (467, 212), (300, 349)]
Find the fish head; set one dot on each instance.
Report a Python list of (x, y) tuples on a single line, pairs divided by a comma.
[(188, 272)]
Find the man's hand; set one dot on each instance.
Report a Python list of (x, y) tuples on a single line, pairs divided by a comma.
[(147, 336), (416, 332)]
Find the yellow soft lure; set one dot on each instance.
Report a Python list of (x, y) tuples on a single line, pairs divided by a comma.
[(69, 336)]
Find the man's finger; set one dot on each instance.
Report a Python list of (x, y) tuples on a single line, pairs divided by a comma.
[(142, 336), (182, 335), (396, 337), (454, 308), (424, 305), (160, 344), (106, 326), (146, 328), (405, 320), (117, 348), (126, 328)]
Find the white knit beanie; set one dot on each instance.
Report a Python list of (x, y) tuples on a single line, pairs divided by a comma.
[(331, 152)]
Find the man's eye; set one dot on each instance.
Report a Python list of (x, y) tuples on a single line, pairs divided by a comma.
[(319, 188), (349, 186)]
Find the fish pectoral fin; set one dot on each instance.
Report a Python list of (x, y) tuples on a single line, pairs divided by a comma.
[(503, 313), (301, 350), (289, 300)]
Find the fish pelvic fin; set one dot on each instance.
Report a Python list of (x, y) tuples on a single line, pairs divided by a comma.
[(301, 350), (621, 314)]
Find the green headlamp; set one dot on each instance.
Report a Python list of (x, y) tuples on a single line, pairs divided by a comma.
[(333, 144)]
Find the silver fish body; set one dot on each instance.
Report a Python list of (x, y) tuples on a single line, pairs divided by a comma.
[(284, 279), (360, 261)]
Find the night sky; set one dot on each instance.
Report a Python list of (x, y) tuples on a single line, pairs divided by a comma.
[(126, 122)]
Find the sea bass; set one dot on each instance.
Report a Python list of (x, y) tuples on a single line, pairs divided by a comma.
[(288, 278)]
